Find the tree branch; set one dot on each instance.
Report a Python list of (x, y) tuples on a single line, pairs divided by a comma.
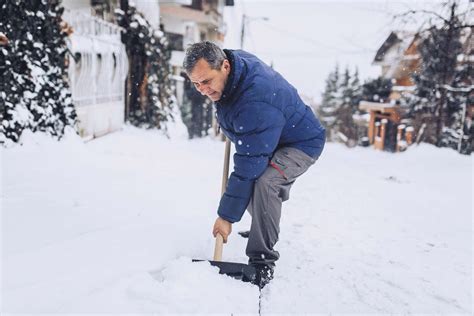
[(413, 12)]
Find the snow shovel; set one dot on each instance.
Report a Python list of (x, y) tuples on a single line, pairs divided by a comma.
[(239, 271)]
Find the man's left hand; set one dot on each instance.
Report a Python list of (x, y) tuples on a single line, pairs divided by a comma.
[(222, 227)]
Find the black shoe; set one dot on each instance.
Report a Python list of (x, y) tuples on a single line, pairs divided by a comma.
[(244, 234), (264, 274)]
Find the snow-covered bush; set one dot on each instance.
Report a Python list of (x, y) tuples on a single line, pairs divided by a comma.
[(149, 89), (34, 93)]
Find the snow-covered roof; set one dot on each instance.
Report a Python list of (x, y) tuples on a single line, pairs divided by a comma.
[(394, 46), (397, 54)]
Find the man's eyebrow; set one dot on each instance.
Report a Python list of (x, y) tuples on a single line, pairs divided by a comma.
[(201, 81)]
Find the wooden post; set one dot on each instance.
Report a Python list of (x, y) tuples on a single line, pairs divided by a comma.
[(377, 135), (409, 135), (399, 137), (383, 131), (372, 127)]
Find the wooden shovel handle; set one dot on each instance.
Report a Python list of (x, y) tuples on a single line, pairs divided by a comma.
[(225, 175), (218, 247), (225, 172)]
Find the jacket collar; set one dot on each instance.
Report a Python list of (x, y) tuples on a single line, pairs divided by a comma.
[(235, 75)]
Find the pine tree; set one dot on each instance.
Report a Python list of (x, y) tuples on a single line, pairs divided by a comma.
[(331, 101), (150, 99), (340, 102), (356, 88), (35, 93), (344, 120), (346, 90)]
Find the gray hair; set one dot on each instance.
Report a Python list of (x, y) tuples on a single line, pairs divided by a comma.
[(211, 53)]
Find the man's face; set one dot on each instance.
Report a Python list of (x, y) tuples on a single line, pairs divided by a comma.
[(210, 82)]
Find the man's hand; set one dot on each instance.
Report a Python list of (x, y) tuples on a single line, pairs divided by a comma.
[(222, 227)]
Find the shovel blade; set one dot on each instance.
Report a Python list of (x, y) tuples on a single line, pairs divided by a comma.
[(239, 271)]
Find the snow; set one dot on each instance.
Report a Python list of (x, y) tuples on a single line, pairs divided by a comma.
[(342, 137), (111, 225), (403, 88), (21, 114), (460, 89), (40, 14)]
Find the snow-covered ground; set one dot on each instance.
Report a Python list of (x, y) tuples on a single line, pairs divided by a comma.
[(110, 226)]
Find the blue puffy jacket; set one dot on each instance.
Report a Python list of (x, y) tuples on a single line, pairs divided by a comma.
[(259, 111)]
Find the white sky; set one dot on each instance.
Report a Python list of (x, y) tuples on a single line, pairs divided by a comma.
[(305, 39)]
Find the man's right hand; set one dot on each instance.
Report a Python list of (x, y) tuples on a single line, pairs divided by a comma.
[(223, 228)]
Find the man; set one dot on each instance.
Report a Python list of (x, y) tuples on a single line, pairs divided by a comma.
[(277, 138)]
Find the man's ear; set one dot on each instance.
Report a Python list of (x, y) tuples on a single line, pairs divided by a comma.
[(226, 65)]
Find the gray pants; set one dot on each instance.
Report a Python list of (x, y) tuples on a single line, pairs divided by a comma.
[(270, 191)]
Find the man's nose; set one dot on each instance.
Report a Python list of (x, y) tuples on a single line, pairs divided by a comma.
[(202, 89)]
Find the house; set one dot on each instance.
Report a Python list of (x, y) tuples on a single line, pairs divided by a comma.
[(398, 58), (98, 65), (97, 68)]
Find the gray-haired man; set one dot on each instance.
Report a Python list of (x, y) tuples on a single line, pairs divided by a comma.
[(277, 138)]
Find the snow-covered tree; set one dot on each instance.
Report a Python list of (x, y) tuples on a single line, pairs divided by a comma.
[(444, 83), (150, 93), (344, 121), (34, 92), (458, 130), (356, 88), (346, 91), (339, 103), (331, 101), (376, 90)]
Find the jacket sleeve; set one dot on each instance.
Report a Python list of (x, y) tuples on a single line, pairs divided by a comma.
[(257, 127)]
